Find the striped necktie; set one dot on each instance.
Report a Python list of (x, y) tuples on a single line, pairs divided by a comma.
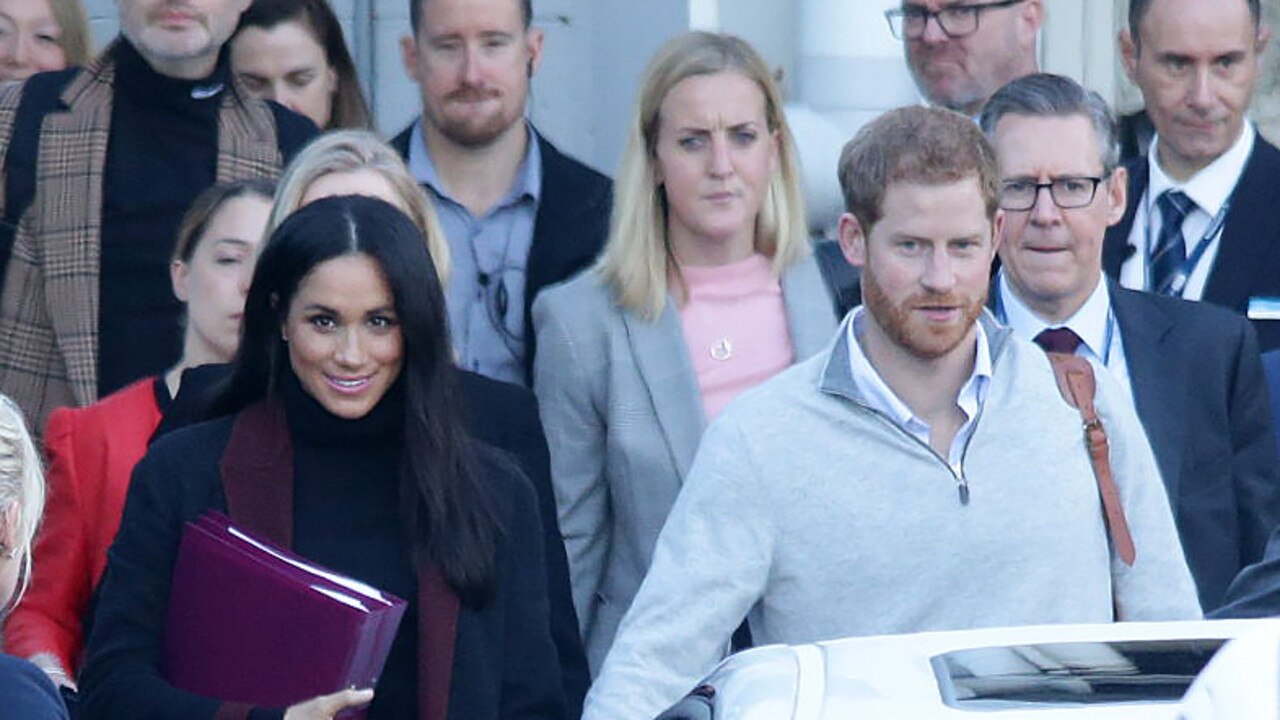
[(1170, 251)]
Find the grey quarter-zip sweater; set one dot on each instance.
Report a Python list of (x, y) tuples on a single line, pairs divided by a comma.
[(818, 518)]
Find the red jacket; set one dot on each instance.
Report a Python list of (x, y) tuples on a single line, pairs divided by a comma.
[(91, 453)]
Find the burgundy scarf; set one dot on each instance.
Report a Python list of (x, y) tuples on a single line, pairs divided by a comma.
[(257, 476)]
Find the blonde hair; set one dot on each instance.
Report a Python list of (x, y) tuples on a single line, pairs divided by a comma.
[(21, 484), (637, 258), (345, 151), (73, 27)]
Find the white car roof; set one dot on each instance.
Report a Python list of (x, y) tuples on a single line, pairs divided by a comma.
[(893, 676)]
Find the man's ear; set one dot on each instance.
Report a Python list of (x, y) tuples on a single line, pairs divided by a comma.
[(1260, 45), (997, 232), (1033, 14), (409, 56), (853, 240), (534, 40), (1117, 195), (1128, 55)]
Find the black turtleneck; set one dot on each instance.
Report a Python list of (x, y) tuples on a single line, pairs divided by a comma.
[(347, 517), (161, 153)]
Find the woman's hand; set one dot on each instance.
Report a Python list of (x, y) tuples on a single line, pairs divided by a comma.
[(49, 663), (326, 706)]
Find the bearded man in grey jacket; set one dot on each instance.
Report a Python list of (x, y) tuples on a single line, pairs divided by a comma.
[(924, 473)]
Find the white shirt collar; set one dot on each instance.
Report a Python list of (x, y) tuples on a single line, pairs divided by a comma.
[(1089, 322), (879, 396), (1212, 186)]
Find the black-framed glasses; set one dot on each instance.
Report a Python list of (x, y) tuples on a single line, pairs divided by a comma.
[(1068, 193), (956, 21)]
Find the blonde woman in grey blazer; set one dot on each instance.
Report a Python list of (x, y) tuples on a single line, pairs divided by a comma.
[(708, 188)]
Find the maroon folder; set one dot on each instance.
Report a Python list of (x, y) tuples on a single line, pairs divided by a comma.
[(249, 622)]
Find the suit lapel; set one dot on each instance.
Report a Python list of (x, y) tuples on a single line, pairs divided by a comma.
[(663, 361), (810, 319), (1249, 232), (72, 163), (1146, 333), (72, 159), (247, 145), (558, 241), (1116, 248)]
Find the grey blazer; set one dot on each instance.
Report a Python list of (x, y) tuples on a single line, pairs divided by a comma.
[(623, 415)]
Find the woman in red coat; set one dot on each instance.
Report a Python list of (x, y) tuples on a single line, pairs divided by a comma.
[(92, 450)]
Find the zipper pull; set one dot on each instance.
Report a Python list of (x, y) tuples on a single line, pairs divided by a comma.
[(963, 487)]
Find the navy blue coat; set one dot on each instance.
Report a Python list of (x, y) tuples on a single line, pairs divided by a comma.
[(1200, 394), (26, 693)]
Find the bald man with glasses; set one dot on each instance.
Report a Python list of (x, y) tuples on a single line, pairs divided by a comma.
[(962, 51)]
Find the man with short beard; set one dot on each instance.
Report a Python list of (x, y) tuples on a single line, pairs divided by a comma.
[(518, 214), (924, 473), (115, 153), (961, 51)]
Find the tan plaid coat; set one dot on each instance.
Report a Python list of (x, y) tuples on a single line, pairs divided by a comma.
[(49, 304)]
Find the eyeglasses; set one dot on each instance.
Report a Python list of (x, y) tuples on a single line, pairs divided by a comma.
[(1068, 193), (909, 22)]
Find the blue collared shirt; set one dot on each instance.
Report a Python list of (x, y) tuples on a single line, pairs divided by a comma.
[(490, 255)]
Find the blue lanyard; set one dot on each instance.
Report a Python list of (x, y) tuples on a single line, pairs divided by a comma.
[(1180, 278)]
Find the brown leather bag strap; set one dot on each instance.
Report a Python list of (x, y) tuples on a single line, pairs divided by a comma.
[(1078, 386)]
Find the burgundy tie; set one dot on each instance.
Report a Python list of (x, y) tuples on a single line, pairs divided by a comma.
[(1060, 340)]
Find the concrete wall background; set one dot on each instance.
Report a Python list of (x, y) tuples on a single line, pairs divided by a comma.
[(597, 49)]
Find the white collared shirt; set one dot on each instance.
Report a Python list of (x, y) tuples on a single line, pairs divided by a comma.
[(1210, 189), (881, 398), (1102, 341)]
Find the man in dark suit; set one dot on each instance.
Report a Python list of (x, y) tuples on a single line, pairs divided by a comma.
[(518, 214), (1201, 220), (1192, 369)]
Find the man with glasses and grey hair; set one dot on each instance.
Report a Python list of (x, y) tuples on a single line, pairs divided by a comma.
[(962, 51), (1191, 370)]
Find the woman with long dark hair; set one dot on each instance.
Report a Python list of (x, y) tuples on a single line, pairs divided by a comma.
[(344, 384), (293, 52)]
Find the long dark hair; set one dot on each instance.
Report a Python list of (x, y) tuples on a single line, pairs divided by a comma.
[(453, 518), (349, 108)]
